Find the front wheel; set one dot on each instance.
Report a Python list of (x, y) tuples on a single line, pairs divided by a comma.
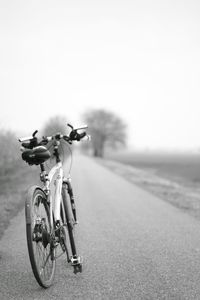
[(70, 222), (38, 231)]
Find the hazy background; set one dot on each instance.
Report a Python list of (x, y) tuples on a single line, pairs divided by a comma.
[(139, 59)]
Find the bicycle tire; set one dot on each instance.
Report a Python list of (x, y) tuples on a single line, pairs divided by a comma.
[(70, 220), (64, 240), (38, 233)]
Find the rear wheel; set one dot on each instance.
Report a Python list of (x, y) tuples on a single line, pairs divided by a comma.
[(38, 231)]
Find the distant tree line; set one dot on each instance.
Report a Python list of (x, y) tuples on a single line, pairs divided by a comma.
[(9, 150), (106, 130)]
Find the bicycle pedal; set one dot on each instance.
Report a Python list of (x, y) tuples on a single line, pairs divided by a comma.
[(77, 260)]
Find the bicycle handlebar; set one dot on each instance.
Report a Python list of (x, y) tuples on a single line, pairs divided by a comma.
[(31, 142)]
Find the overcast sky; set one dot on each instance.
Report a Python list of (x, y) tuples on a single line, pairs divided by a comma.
[(140, 59)]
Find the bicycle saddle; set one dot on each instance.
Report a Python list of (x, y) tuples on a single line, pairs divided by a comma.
[(36, 156)]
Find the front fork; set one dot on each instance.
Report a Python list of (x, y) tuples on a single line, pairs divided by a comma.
[(71, 195), (76, 261)]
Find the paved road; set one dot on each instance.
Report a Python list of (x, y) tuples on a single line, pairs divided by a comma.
[(135, 246)]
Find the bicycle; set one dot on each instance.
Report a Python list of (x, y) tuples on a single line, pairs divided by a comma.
[(50, 215)]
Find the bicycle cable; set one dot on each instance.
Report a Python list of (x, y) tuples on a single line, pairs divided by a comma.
[(63, 154), (71, 157)]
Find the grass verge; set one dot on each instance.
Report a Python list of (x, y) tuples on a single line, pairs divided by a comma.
[(14, 183), (177, 192)]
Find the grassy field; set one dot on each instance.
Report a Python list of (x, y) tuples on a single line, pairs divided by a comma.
[(183, 168), (174, 178), (14, 182)]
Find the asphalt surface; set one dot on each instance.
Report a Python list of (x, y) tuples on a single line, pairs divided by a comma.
[(135, 246)]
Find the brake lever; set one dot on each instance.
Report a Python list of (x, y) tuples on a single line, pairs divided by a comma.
[(29, 138), (34, 133), (72, 128)]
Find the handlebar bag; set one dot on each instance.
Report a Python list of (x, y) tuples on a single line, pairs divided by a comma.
[(36, 156)]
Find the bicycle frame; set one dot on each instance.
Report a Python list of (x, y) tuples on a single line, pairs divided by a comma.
[(54, 200)]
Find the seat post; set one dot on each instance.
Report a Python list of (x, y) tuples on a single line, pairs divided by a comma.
[(42, 167), (43, 174)]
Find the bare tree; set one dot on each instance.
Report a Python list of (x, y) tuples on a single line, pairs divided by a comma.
[(106, 129)]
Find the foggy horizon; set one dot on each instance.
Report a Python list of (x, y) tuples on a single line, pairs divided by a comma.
[(138, 59)]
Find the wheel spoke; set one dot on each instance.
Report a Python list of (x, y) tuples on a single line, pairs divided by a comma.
[(43, 259)]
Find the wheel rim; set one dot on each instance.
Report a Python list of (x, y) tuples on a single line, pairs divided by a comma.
[(41, 240)]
